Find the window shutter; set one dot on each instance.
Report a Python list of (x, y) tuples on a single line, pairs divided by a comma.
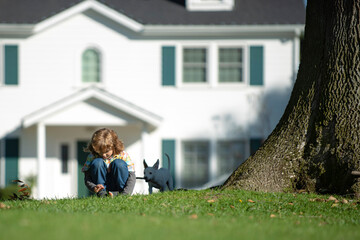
[(168, 66), (11, 64), (255, 144), (11, 159), (168, 146), (256, 65)]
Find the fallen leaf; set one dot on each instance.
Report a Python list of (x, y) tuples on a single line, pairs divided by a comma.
[(331, 198), (344, 201), (4, 206), (273, 216), (251, 201), (193, 216), (290, 203), (211, 201), (334, 205), (317, 200), (232, 206), (210, 214)]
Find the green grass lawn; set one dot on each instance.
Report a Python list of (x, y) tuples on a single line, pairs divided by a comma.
[(209, 214)]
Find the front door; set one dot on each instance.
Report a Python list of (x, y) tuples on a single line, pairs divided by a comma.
[(81, 158)]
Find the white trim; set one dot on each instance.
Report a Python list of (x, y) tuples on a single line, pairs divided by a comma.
[(266, 30), (269, 30), (102, 64), (210, 5), (84, 94), (180, 66), (84, 6), (41, 156), (16, 29), (212, 65), (2, 64), (245, 65), (78, 65)]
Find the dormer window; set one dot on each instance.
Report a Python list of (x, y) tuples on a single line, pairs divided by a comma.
[(91, 70), (210, 5)]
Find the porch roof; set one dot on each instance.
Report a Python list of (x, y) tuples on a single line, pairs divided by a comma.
[(92, 106)]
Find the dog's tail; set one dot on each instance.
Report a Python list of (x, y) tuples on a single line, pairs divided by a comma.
[(168, 160)]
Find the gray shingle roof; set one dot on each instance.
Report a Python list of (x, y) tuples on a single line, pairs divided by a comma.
[(164, 12)]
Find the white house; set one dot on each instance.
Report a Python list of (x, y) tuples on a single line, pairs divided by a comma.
[(202, 80)]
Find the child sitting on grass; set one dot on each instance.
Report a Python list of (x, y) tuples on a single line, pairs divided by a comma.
[(108, 169)]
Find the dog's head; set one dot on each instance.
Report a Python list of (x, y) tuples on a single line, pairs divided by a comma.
[(149, 172)]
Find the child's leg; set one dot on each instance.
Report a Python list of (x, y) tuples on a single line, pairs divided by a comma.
[(118, 175), (97, 170)]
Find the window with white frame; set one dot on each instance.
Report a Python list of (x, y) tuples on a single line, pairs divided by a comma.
[(195, 170), (231, 65), (230, 154), (91, 66), (194, 65)]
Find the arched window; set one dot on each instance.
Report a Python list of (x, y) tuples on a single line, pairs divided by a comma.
[(91, 66)]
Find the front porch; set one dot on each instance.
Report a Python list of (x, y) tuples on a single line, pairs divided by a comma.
[(61, 128)]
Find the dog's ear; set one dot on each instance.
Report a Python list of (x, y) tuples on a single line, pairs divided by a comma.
[(145, 164), (156, 165)]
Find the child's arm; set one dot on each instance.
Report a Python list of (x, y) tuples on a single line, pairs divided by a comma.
[(130, 184)]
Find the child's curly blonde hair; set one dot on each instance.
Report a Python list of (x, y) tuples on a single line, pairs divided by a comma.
[(104, 140)]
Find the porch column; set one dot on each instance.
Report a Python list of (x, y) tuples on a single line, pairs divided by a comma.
[(144, 137), (41, 154)]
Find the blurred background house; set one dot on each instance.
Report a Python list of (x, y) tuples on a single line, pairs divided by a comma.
[(205, 81)]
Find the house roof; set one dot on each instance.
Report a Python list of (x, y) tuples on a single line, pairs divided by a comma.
[(163, 12), (92, 101)]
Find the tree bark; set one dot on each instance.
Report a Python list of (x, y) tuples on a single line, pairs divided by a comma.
[(316, 144)]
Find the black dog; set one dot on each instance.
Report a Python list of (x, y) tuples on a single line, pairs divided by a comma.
[(158, 178)]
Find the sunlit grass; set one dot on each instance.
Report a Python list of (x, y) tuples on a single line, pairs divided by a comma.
[(210, 214)]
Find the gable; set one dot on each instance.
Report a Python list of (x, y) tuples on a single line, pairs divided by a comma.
[(90, 112), (92, 107)]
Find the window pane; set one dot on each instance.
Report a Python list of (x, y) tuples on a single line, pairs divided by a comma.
[(230, 65), (196, 164), (230, 55), (230, 74), (192, 74), (194, 65), (90, 66), (230, 154)]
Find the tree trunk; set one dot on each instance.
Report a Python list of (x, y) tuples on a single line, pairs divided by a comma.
[(316, 144)]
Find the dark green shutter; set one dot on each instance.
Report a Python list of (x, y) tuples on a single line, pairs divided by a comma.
[(168, 66), (256, 65), (11, 65), (11, 160), (81, 159), (168, 146), (255, 144)]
